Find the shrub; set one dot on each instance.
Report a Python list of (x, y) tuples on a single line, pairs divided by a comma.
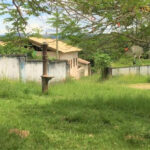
[(10, 49), (102, 62)]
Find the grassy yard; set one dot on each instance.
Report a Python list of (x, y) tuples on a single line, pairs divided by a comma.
[(76, 115), (127, 62)]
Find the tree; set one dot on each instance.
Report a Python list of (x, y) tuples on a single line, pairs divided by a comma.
[(15, 16), (36, 32), (102, 62), (128, 19), (98, 14)]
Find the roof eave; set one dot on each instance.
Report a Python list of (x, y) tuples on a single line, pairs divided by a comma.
[(38, 44)]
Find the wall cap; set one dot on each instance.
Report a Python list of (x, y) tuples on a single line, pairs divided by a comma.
[(130, 67)]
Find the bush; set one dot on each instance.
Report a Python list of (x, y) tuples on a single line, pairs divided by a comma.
[(10, 49), (102, 62)]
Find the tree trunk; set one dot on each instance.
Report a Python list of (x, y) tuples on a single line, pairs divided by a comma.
[(106, 72)]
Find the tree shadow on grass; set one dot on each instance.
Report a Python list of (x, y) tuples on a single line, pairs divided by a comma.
[(10, 141), (126, 117)]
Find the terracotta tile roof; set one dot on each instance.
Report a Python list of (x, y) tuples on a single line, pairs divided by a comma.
[(63, 47), (2, 43), (82, 61)]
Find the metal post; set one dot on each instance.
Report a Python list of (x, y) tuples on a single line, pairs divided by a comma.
[(45, 77), (45, 58)]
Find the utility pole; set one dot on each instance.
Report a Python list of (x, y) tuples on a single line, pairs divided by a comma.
[(57, 48)]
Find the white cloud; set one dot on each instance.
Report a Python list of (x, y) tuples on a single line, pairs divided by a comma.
[(2, 29), (2, 25), (40, 22), (34, 22)]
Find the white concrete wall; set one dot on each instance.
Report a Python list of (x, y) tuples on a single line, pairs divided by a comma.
[(9, 67), (18, 68), (58, 71), (33, 71), (142, 70)]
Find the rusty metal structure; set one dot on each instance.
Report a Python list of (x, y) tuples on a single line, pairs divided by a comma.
[(45, 77)]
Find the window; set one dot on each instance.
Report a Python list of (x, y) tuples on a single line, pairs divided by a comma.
[(74, 62), (70, 63)]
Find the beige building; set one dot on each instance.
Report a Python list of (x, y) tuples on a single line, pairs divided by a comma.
[(2, 43), (84, 67), (78, 67)]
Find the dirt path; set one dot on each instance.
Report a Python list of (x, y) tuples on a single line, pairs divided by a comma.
[(145, 86)]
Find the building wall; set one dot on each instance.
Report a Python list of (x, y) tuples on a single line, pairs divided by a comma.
[(86, 68), (140, 70), (70, 57), (58, 70), (51, 54), (19, 68)]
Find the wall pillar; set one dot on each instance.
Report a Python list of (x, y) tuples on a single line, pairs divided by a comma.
[(22, 61)]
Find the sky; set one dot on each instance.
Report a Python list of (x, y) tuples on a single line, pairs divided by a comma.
[(34, 22)]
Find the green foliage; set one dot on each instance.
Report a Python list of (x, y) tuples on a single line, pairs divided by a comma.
[(110, 12), (18, 23), (16, 45), (123, 61), (34, 54), (83, 23), (10, 49), (128, 61), (68, 28), (36, 32), (112, 44), (52, 58), (89, 34), (102, 60)]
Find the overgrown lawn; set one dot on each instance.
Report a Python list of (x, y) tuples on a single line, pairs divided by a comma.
[(76, 115)]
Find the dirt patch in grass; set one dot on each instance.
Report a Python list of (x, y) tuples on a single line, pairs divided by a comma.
[(21, 133), (145, 86)]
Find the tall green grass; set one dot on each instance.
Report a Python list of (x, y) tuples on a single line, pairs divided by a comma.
[(127, 62), (84, 114)]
